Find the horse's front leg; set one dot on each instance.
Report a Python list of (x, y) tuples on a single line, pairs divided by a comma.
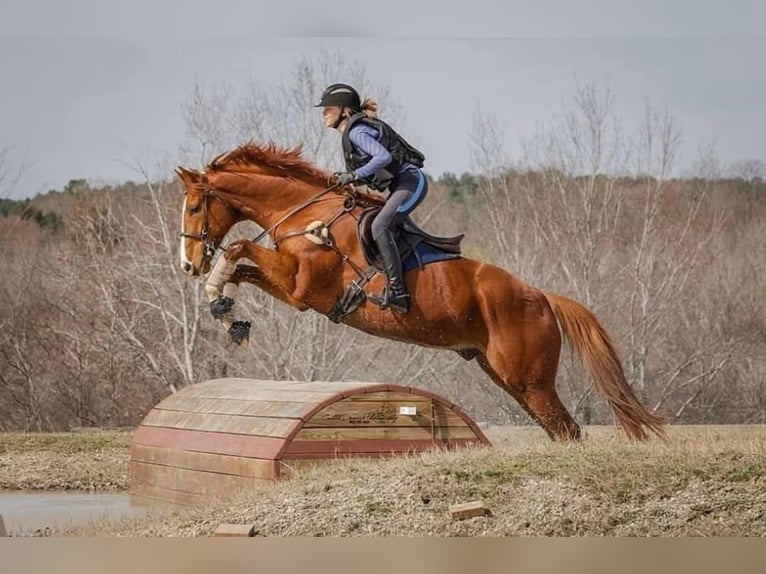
[(273, 272)]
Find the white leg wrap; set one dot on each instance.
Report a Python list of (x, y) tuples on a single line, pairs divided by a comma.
[(218, 283), (218, 277)]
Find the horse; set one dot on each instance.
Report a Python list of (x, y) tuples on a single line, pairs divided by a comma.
[(513, 330)]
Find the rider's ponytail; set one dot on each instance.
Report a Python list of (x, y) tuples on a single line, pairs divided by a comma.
[(370, 108)]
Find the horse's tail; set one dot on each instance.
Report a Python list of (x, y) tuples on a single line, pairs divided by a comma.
[(597, 354)]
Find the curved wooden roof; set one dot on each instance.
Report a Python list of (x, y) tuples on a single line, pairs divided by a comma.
[(274, 411), (224, 433)]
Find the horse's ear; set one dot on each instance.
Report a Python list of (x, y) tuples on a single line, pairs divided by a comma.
[(188, 176)]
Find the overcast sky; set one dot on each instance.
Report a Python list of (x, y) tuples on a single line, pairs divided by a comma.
[(86, 87)]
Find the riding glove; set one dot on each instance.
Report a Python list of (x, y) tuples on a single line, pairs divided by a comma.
[(345, 177)]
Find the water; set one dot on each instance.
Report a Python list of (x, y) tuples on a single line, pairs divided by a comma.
[(24, 513)]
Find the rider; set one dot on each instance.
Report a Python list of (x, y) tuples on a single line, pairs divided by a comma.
[(378, 156)]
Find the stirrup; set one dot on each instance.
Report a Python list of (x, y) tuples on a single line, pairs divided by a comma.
[(384, 300)]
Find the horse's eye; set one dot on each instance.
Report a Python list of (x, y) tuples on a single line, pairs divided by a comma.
[(194, 209)]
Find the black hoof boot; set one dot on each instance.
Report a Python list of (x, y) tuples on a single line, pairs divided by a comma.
[(240, 332), (221, 306)]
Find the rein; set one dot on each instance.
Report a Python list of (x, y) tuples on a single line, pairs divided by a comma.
[(293, 211), (319, 231)]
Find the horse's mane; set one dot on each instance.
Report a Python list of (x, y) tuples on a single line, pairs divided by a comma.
[(282, 162), (271, 159)]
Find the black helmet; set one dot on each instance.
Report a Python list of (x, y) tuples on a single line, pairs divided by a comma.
[(341, 95)]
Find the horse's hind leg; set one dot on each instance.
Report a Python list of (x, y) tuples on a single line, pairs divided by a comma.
[(537, 396), (522, 358), (545, 402), (512, 389)]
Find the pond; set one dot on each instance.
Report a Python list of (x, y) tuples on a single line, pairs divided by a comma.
[(26, 512)]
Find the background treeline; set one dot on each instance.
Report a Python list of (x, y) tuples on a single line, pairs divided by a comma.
[(97, 322)]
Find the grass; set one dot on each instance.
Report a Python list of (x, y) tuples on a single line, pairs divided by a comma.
[(90, 461), (704, 481), (89, 441)]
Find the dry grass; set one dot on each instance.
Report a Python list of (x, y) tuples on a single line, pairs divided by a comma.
[(94, 461), (704, 481)]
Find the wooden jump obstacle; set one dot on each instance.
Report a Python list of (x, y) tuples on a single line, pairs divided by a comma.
[(213, 438)]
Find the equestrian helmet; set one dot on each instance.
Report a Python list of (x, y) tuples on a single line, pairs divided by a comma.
[(341, 95)]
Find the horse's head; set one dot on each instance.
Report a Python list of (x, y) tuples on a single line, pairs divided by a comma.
[(205, 221)]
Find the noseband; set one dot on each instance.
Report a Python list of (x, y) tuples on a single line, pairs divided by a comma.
[(208, 246)]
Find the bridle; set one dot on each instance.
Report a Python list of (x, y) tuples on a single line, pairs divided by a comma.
[(318, 232), (208, 247)]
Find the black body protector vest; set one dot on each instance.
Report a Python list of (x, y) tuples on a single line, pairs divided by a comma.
[(401, 151)]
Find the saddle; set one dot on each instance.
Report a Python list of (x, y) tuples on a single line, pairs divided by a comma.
[(416, 246), (412, 241)]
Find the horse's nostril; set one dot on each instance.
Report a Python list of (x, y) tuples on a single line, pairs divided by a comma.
[(186, 266)]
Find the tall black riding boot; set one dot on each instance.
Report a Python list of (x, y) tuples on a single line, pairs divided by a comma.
[(394, 294)]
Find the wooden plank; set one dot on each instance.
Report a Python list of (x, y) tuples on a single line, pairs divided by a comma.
[(384, 396), (383, 413), (383, 433), (258, 426), (219, 463), (240, 382), (149, 495), (247, 391), (467, 510), (224, 529), (294, 463), (194, 481), (251, 388), (184, 403), (237, 388), (255, 394), (213, 442), (322, 448), (429, 395), (336, 387)]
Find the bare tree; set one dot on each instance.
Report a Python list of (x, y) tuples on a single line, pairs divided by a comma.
[(98, 323), (25, 394), (135, 269), (290, 345), (593, 213), (749, 170), (219, 116)]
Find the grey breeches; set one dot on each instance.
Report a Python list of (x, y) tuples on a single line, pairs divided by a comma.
[(407, 192)]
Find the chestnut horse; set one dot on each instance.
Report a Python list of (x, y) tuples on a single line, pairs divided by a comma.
[(472, 307)]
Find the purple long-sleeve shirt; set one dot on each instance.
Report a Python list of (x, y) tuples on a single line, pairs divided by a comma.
[(365, 139)]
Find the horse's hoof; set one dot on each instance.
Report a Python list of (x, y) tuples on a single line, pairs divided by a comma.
[(220, 306), (240, 332)]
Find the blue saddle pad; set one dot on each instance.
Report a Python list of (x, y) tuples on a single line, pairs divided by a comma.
[(427, 255)]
